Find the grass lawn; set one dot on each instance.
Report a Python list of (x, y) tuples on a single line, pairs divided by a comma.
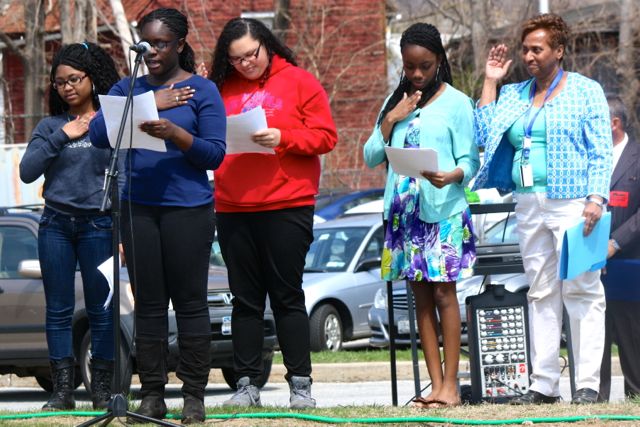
[(564, 414)]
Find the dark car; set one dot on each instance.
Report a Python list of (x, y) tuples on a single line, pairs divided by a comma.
[(23, 345), (331, 205), (498, 261)]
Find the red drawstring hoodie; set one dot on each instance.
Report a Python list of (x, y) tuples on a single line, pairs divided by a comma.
[(294, 102)]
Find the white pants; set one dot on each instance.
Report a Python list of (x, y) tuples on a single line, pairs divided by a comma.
[(541, 225)]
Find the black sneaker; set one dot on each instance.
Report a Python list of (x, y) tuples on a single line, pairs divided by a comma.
[(533, 398), (585, 396)]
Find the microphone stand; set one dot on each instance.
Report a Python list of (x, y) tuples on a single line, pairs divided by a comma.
[(118, 406)]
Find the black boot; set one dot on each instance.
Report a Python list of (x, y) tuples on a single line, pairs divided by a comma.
[(151, 361), (62, 378), (193, 369), (101, 378)]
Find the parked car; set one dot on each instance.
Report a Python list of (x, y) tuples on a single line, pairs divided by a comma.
[(498, 251), (23, 346), (331, 205), (341, 277)]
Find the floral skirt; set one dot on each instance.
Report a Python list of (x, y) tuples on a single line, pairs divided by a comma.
[(419, 251)]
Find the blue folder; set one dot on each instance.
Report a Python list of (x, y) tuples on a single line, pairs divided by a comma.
[(584, 253)]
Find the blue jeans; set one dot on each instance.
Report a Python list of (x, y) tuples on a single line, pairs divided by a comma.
[(65, 241)]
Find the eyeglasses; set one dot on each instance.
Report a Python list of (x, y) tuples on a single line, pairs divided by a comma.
[(161, 44), (237, 60), (72, 81)]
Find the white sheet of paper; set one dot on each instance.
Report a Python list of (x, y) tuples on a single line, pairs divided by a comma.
[(412, 161), (240, 128), (106, 268), (144, 108)]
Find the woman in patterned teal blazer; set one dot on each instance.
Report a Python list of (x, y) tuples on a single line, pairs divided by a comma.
[(549, 140)]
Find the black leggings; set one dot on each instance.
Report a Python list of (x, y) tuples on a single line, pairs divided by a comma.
[(265, 254), (172, 248)]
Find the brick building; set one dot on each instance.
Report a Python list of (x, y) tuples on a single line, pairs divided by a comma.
[(342, 42)]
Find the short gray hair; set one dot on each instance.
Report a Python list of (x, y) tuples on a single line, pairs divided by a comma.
[(617, 109)]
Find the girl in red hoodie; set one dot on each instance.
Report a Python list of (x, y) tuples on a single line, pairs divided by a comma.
[(265, 202)]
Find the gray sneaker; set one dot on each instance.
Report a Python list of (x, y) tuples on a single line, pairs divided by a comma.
[(246, 395), (300, 393)]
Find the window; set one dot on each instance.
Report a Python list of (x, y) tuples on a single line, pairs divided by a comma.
[(16, 244), (333, 248), (267, 18), (375, 245)]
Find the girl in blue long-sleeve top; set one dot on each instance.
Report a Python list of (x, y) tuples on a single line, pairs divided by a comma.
[(168, 234)]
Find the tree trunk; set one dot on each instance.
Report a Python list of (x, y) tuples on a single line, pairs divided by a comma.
[(34, 63), (122, 26), (479, 36), (282, 18), (91, 22), (626, 58), (66, 29)]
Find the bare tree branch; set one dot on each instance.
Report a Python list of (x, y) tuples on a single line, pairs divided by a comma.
[(10, 44)]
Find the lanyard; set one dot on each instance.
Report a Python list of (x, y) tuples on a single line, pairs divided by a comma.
[(528, 124)]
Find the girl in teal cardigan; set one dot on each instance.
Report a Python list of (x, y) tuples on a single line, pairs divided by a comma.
[(429, 236)]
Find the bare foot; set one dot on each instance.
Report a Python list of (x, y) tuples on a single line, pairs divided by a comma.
[(448, 396)]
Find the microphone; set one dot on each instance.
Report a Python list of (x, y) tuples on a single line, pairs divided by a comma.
[(142, 48)]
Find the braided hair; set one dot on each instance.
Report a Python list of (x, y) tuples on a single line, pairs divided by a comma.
[(237, 28), (177, 23), (428, 37), (89, 58)]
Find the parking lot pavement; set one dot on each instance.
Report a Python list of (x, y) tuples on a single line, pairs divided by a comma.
[(351, 393)]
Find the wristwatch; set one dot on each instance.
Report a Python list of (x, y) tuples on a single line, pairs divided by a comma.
[(596, 201)]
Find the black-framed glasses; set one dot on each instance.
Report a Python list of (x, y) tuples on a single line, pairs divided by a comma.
[(72, 81), (237, 60)]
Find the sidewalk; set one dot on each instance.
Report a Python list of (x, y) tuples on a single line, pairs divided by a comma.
[(322, 372)]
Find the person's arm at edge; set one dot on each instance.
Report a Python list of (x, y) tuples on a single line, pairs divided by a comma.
[(599, 145)]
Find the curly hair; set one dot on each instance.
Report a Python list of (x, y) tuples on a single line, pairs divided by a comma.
[(89, 58), (428, 37), (556, 27), (237, 28), (177, 23)]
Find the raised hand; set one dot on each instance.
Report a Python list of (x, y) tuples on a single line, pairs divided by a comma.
[(497, 63), (173, 97), (78, 127), (404, 107)]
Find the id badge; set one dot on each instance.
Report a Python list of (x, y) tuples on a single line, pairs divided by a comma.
[(619, 199), (526, 175)]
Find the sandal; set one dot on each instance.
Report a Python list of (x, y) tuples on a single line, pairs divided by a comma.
[(422, 403)]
